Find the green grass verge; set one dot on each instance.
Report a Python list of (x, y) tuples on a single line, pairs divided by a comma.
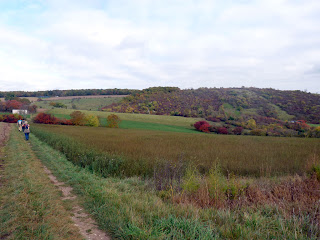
[(30, 204), (129, 209)]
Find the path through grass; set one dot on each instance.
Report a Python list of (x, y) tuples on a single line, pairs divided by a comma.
[(30, 205)]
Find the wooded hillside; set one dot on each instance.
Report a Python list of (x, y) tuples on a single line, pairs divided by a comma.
[(223, 103)]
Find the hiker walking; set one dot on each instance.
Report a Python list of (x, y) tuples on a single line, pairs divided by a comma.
[(26, 130), (19, 125), (23, 124)]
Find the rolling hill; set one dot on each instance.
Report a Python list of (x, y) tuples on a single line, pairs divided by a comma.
[(223, 103)]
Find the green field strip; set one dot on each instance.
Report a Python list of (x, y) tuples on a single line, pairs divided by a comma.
[(127, 124)]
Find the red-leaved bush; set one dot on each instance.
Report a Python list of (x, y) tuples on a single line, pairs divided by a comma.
[(10, 118), (64, 122), (205, 128), (202, 126), (237, 130), (45, 119), (222, 130), (13, 104)]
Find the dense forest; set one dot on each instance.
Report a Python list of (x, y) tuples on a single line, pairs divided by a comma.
[(64, 93), (223, 103)]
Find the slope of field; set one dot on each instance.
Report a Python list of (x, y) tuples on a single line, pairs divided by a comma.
[(243, 155), (93, 103)]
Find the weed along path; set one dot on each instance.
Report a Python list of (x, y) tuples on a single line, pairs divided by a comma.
[(33, 203)]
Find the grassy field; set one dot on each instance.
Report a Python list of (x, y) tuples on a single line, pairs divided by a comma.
[(130, 209), (92, 104), (30, 206), (242, 155), (160, 119)]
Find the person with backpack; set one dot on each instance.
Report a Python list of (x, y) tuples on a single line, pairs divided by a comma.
[(26, 130), (23, 124), (19, 125)]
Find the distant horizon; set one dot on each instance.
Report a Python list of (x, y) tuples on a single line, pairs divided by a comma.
[(242, 87)]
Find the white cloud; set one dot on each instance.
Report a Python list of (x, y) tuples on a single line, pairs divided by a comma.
[(138, 44)]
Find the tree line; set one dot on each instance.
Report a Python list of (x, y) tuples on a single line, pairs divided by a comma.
[(64, 93)]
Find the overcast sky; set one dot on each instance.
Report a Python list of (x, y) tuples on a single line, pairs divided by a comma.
[(75, 44)]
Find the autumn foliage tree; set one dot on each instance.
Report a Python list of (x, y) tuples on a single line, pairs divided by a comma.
[(78, 118), (13, 104), (113, 121), (45, 119), (92, 120)]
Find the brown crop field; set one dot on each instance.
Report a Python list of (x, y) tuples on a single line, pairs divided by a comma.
[(242, 155), (237, 185)]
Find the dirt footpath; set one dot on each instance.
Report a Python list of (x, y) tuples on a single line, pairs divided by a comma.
[(86, 225)]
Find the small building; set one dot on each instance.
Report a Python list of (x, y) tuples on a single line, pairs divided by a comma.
[(20, 111)]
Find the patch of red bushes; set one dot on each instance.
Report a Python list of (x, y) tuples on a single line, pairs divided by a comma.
[(45, 118), (10, 118)]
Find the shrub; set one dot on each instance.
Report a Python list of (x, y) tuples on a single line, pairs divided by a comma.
[(32, 108), (258, 132), (191, 181), (251, 124), (222, 130), (202, 126), (92, 120), (45, 119), (237, 130), (216, 183), (77, 118), (10, 118), (113, 121), (64, 122)]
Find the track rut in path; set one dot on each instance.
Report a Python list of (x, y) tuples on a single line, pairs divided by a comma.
[(81, 219)]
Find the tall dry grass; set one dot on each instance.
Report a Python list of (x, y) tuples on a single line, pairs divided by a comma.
[(241, 155)]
